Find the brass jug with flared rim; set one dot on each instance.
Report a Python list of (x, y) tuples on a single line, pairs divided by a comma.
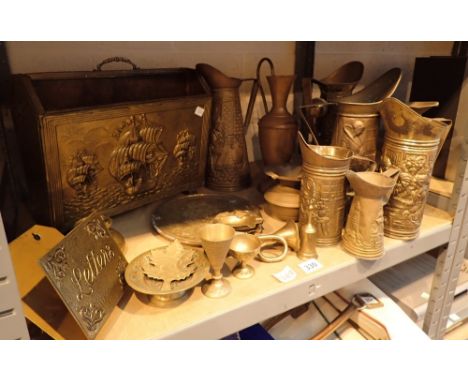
[(358, 119), (412, 144), (363, 235), (323, 189), (227, 164)]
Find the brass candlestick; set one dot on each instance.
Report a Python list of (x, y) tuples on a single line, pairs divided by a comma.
[(216, 239)]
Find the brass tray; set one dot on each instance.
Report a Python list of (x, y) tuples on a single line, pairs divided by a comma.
[(166, 274), (181, 218)]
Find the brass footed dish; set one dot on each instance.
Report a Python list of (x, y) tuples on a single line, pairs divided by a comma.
[(166, 274), (181, 218)]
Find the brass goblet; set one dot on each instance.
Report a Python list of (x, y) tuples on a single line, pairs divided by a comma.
[(216, 239), (245, 247)]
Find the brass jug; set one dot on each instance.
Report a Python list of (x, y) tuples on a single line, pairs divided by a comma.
[(412, 143), (339, 83), (357, 121), (363, 235), (323, 189), (227, 165)]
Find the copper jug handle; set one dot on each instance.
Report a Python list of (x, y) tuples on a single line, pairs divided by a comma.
[(256, 86), (115, 59), (266, 239)]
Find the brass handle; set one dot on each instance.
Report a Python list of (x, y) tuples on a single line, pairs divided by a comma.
[(272, 258), (115, 59)]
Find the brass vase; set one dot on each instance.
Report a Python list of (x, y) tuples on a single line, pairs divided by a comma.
[(227, 165), (277, 129), (323, 189), (363, 235), (412, 143), (358, 119)]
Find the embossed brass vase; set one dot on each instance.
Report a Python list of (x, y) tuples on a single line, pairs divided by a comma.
[(363, 235), (357, 121), (412, 143), (228, 166), (323, 189), (277, 130)]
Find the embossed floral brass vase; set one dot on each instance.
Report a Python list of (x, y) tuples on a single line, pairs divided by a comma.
[(357, 121), (412, 143), (277, 130), (323, 189), (227, 166), (364, 232)]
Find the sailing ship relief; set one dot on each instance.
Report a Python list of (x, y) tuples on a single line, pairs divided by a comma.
[(136, 163), (139, 157)]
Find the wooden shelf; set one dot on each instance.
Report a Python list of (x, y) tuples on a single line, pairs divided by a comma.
[(255, 299)]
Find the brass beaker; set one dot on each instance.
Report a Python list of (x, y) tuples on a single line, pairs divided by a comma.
[(363, 235), (412, 143), (323, 189), (227, 164), (357, 121)]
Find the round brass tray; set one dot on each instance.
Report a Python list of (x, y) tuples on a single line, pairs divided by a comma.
[(181, 218), (166, 274)]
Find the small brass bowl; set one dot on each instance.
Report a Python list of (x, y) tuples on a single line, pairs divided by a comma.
[(245, 247)]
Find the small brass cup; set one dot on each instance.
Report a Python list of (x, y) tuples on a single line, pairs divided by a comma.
[(216, 239), (245, 247)]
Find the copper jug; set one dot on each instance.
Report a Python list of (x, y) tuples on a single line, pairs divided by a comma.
[(227, 165), (277, 129), (412, 144), (363, 236), (357, 121), (337, 84), (323, 189)]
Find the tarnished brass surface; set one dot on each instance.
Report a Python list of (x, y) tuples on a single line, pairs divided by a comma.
[(422, 106), (363, 235), (181, 218), (336, 85), (216, 240), (245, 247), (167, 273), (290, 232), (412, 143), (228, 167), (323, 189), (283, 202), (357, 120), (109, 141), (86, 269), (277, 129), (307, 240)]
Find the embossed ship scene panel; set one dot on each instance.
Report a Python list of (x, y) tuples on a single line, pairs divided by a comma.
[(110, 163)]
